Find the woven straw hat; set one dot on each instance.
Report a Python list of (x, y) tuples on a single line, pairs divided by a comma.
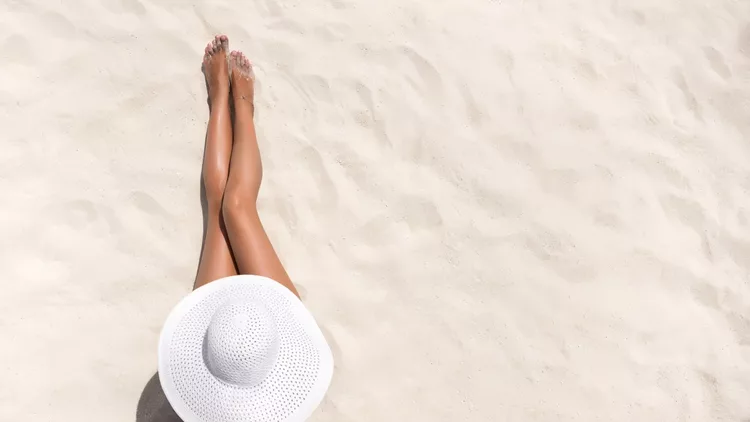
[(243, 348)]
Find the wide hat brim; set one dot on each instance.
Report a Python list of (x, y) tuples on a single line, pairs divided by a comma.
[(292, 389)]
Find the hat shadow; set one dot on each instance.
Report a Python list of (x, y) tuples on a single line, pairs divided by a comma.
[(153, 405)]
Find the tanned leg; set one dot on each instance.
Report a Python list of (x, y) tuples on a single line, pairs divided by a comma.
[(216, 256), (250, 244)]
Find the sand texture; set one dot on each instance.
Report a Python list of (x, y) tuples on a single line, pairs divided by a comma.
[(497, 210)]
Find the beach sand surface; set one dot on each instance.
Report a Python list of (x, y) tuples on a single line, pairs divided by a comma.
[(496, 210)]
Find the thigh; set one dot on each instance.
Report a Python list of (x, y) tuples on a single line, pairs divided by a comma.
[(251, 246)]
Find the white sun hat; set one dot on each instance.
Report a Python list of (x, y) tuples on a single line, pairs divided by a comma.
[(243, 348)]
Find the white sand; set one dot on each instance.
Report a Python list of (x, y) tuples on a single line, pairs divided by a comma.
[(497, 210)]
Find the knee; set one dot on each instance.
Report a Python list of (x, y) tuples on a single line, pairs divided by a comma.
[(237, 202), (214, 192)]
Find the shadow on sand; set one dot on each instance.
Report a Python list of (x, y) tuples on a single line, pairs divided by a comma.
[(153, 405)]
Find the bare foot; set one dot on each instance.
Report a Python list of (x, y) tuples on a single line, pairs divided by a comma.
[(243, 89), (216, 69)]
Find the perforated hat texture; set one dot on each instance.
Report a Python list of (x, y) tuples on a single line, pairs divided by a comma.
[(245, 349)]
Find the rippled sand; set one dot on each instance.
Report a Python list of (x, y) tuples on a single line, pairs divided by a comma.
[(496, 210)]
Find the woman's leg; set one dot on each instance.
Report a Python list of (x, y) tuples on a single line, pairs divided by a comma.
[(216, 256), (251, 247)]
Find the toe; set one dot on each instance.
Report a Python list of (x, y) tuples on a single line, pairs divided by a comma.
[(224, 40), (208, 50)]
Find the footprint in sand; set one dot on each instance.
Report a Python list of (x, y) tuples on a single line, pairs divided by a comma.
[(419, 213), (689, 212), (431, 83), (148, 204), (328, 194), (716, 60), (690, 101)]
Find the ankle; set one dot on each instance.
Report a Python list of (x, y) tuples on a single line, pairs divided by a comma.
[(243, 102), (219, 99)]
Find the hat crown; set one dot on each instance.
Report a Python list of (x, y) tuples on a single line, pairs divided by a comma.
[(241, 343)]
